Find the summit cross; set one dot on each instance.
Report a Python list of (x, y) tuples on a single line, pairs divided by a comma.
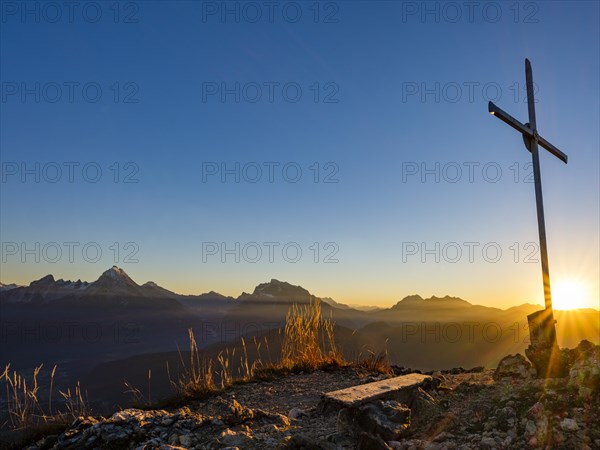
[(541, 323)]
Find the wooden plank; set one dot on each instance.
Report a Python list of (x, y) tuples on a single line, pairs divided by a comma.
[(357, 395)]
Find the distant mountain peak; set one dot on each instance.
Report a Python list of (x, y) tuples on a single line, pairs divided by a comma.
[(281, 291), (117, 274), (214, 294), (114, 281), (412, 298), (153, 289), (332, 302), (48, 280), (433, 301), (8, 287)]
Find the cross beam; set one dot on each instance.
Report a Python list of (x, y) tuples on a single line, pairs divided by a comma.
[(525, 131), (532, 139)]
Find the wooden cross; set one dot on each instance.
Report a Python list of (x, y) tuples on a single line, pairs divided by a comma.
[(532, 140)]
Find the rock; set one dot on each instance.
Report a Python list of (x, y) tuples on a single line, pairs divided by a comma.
[(514, 367), (488, 443), (585, 371), (443, 436), (536, 410), (506, 418), (234, 413), (433, 383), (490, 424), (569, 425), (185, 440), (388, 420), (424, 407), (46, 442), (355, 396), (296, 414), (167, 421), (84, 422), (367, 441), (530, 428), (476, 413), (585, 393), (271, 417), (231, 438), (542, 428), (399, 370)]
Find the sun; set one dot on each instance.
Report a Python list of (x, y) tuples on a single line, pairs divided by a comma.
[(569, 294)]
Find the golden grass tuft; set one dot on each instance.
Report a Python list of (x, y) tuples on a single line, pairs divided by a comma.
[(309, 342), (24, 406), (375, 362)]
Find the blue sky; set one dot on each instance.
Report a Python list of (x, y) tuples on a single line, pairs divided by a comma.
[(361, 119)]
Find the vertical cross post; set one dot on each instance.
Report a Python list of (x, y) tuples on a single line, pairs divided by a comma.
[(537, 176), (543, 351)]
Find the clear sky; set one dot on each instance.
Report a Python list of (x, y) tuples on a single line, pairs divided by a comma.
[(370, 100)]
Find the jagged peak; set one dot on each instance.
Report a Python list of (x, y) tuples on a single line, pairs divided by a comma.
[(44, 281), (416, 299), (8, 286), (280, 290), (411, 298), (116, 273)]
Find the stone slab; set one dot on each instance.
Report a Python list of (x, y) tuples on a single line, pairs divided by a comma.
[(364, 393)]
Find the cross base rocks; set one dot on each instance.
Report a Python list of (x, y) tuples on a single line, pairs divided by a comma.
[(548, 360)]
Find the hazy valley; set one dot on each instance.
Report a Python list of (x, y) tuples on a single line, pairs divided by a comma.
[(114, 330)]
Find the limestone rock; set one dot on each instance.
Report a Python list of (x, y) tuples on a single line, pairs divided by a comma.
[(569, 425), (296, 414), (585, 371), (514, 366), (387, 419)]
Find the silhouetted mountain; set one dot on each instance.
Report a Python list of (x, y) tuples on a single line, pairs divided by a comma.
[(8, 287), (112, 284), (277, 291), (332, 302), (79, 325), (152, 289), (43, 290), (365, 308), (416, 301), (115, 282)]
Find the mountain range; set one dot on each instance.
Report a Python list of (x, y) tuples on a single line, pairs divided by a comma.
[(115, 282), (114, 328)]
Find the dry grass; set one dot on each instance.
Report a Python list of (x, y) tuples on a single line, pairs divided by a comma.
[(374, 362), (24, 405), (196, 377), (139, 399), (308, 344)]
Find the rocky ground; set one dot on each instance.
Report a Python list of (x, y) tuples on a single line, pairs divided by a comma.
[(457, 409)]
